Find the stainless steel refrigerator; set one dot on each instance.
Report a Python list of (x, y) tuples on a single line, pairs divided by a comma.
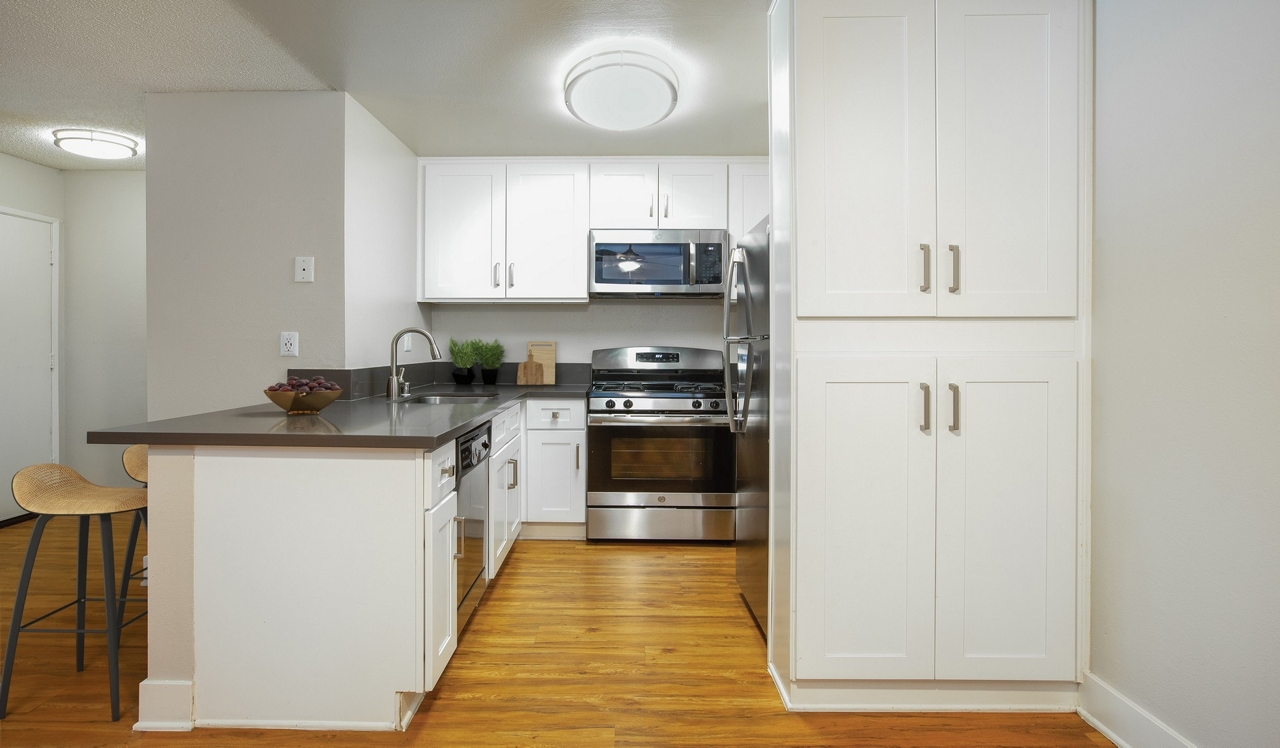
[(746, 354)]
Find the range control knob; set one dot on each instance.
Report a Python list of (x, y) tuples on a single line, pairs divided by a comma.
[(627, 403), (715, 405), (609, 403), (697, 404)]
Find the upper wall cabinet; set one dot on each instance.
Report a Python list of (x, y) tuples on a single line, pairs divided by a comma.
[(974, 216), (749, 196), (547, 225), (672, 194), (464, 230)]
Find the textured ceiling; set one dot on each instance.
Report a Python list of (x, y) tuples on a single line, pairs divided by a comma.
[(448, 77)]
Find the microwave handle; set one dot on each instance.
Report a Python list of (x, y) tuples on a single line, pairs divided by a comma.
[(693, 263)]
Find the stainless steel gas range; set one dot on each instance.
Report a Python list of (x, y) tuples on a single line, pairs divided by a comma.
[(660, 452)]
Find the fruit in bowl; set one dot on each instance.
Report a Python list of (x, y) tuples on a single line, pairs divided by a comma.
[(300, 395)]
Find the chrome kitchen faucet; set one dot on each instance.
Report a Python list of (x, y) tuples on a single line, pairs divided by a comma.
[(397, 386)]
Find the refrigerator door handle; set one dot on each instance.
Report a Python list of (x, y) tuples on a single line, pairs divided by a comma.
[(732, 353)]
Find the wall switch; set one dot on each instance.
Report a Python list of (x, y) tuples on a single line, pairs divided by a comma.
[(304, 270), (408, 343), (288, 344)]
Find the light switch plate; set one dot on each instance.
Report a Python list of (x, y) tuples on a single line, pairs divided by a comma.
[(304, 269), (288, 344)]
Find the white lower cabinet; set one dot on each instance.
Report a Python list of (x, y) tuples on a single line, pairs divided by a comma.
[(973, 457), (557, 475), (504, 504), (442, 587)]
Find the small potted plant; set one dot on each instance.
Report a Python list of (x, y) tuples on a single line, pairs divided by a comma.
[(463, 353), (490, 355)]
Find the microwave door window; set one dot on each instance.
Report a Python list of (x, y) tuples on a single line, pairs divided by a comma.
[(641, 264)]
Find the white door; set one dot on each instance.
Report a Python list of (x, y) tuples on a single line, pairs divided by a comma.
[(748, 197), (865, 518), (865, 154), (1006, 519), (557, 488), (464, 230), (442, 591), (1008, 157), (26, 349), (693, 195), (548, 218), (624, 195)]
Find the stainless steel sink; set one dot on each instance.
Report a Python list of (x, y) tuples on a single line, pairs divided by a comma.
[(453, 399)]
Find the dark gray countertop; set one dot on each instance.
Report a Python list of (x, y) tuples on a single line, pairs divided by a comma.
[(371, 422)]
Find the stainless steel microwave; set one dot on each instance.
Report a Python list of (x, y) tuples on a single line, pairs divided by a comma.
[(662, 262)]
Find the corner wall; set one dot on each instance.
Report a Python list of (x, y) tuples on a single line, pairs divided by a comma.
[(1186, 487)]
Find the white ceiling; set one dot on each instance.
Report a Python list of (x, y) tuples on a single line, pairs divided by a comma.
[(448, 77)]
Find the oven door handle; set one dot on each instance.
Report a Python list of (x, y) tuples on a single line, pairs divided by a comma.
[(621, 420)]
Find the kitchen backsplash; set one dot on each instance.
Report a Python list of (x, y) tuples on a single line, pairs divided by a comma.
[(372, 381)]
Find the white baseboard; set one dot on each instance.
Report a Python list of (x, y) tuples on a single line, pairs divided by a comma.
[(164, 706), (1123, 722), (287, 724), (782, 688), (930, 696), (553, 531)]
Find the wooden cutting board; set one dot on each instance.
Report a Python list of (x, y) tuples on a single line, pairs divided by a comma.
[(529, 372), (544, 352)]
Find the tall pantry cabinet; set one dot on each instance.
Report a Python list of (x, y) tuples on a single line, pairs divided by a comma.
[(941, 248)]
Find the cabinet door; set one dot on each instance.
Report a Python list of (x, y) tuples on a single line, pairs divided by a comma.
[(624, 195), (442, 591), (1007, 519), (514, 489), (748, 197), (548, 218), (865, 518), (557, 472), (1008, 157), (865, 157), (693, 195), (496, 527), (464, 230)]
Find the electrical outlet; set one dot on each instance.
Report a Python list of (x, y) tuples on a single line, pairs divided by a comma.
[(304, 269), (288, 344)]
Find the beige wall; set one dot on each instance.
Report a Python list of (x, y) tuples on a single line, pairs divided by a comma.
[(1186, 488), (238, 184)]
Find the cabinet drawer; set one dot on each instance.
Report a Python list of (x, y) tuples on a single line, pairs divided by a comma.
[(556, 414), (505, 426), (442, 472)]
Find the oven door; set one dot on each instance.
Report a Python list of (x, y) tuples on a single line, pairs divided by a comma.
[(685, 465)]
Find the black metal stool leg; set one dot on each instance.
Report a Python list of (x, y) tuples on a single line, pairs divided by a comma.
[(19, 602), (82, 560), (128, 563), (109, 602)]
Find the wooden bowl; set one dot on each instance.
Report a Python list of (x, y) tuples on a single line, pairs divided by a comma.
[(303, 403)]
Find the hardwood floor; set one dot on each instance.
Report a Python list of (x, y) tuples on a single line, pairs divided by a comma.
[(574, 645)]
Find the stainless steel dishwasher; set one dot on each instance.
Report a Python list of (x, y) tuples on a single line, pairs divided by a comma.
[(473, 511)]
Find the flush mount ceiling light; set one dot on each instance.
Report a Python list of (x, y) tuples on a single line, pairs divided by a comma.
[(95, 143), (621, 90)]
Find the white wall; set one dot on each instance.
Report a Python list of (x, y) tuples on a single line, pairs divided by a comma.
[(30, 187), (381, 225), (238, 184), (1186, 489), (579, 329), (104, 323)]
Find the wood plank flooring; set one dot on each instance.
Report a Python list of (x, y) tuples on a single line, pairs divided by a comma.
[(574, 645)]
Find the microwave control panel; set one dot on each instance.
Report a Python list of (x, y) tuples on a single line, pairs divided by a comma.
[(710, 263)]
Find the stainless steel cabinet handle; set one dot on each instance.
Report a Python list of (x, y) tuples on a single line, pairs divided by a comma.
[(928, 409), (577, 457), (511, 275), (496, 266), (955, 268), (955, 407), (666, 205), (515, 474), (555, 414), (462, 548), (928, 271), (449, 470), (651, 199)]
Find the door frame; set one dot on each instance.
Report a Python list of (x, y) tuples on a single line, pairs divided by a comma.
[(55, 331)]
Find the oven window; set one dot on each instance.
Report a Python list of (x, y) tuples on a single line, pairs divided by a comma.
[(658, 458), (641, 264)]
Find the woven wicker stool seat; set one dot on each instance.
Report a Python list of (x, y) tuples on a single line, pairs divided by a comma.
[(57, 489)]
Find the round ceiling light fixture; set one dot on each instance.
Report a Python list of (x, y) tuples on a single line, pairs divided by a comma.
[(95, 143), (621, 90)]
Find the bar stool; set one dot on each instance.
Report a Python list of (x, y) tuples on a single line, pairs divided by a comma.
[(135, 465), (56, 490)]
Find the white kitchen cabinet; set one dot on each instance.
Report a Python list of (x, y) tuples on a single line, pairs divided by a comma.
[(865, 519), (557, 475), (463, 230), (504, 504), (624, 195), (693, 195), (442, 587), (990, 483), (749, 196), (548, 220), (945, 187), (1006, 519)]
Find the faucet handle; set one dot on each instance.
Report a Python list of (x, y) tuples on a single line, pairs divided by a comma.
[(404, 385)]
